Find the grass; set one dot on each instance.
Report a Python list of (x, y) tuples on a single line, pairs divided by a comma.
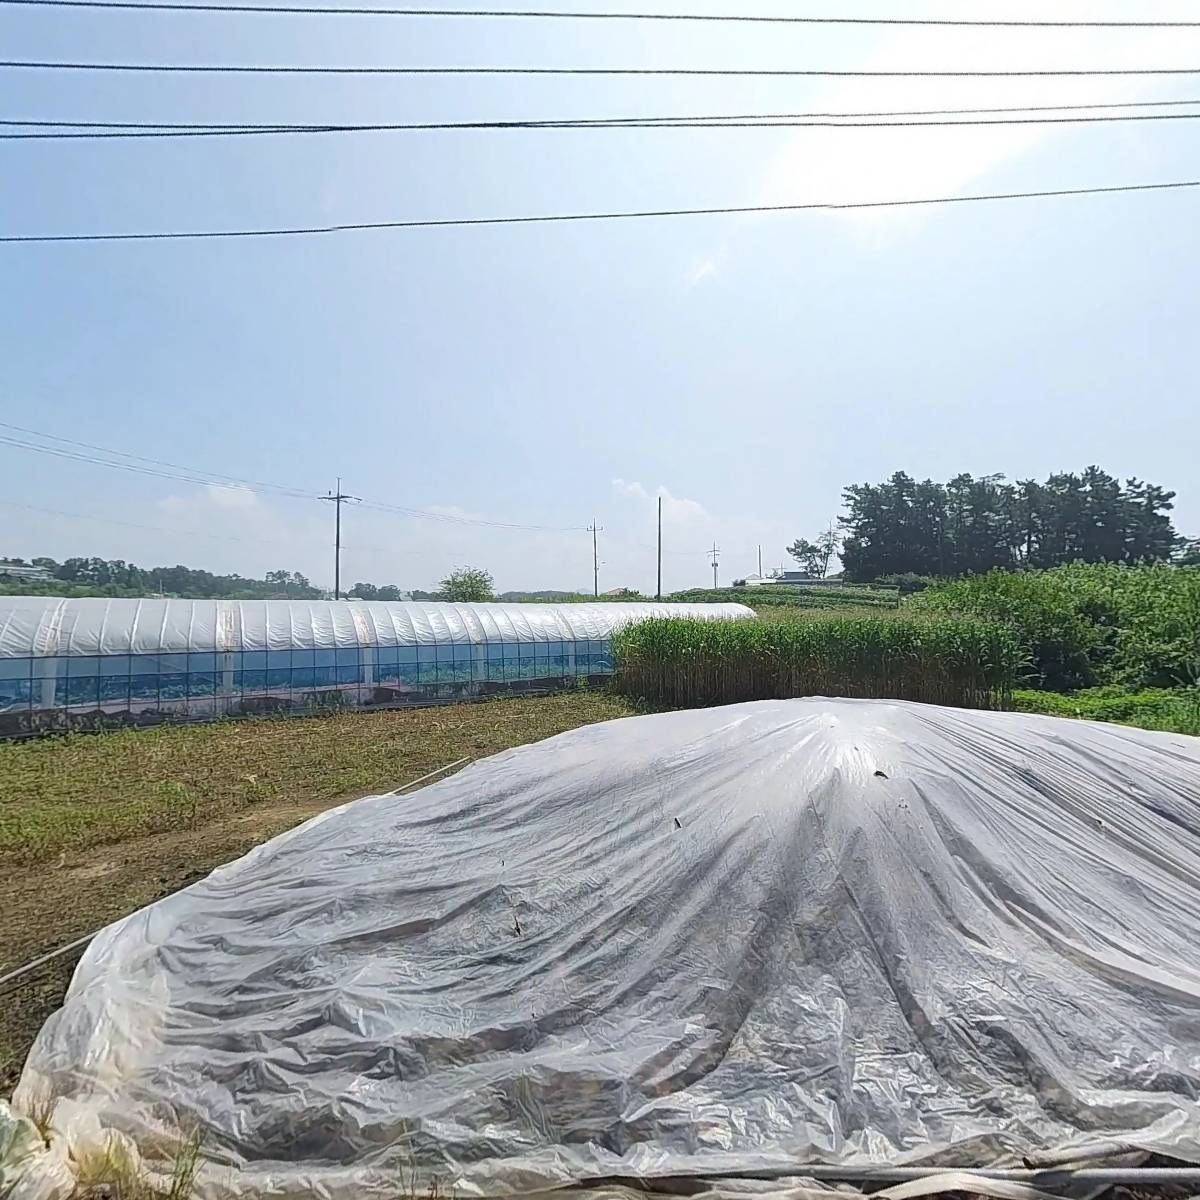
[(1171, 711), (689, 664), (84, 790)]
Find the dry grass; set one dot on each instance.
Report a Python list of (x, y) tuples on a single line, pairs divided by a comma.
[(117, 1175), (83, 790)]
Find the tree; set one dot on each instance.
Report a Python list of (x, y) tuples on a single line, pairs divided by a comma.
[(1187, 552), (974, 525), (806, 553), (815, 557), (369, 591), (467, 584)]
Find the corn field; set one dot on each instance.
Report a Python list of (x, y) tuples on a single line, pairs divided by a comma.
[(691, 664)]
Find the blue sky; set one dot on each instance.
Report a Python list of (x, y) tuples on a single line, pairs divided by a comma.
[(749, 367)]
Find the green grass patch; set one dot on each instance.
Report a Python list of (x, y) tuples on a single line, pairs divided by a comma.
[(84, 790), (1172, 711), (680, 663)]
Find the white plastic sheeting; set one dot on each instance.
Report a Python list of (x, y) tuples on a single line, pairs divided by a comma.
[(39, 625), (766, 935)]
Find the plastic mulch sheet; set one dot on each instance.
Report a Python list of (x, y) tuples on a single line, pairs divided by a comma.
[(753, 937)]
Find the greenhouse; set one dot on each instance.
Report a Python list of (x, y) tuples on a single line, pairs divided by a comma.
[(87, 662)]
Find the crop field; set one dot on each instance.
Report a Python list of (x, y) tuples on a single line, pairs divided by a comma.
[(690, 664), (93, 826), (836, 597)]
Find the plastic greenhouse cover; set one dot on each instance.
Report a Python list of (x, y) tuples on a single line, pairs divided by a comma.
[(790, 932), (40, 625)]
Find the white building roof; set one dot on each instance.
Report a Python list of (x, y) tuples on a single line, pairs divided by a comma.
[(36, 626)]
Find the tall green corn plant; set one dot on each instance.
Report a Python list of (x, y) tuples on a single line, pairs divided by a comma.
[(683, 663)]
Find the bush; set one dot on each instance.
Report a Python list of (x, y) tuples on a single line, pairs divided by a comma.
[(907, 583), (1090, 624), (690, 664), (1061, 644)]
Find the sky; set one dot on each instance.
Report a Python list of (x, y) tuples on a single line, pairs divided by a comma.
[(745, 368)]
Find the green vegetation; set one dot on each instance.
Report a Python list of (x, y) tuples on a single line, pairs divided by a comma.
[(814, 596), (816, 556), (84, 790), (467, 585), (1174, 711), (1086, 625), (117, 578), (691, 664), (970, 526)]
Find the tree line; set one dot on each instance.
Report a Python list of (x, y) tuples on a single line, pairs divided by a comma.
[(972, 525), (117, 578)]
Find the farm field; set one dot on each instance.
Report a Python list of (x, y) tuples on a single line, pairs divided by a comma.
[(95, 826)]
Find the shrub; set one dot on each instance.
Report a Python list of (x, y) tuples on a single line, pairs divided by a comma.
[(1063, 646), (907, 582), (1090, 623), (689, 664)]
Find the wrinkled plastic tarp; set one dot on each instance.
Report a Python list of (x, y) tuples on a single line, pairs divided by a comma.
[(741, 938)]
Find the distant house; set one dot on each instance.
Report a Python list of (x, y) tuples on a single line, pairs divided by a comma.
[(620, 592), (24, 574)]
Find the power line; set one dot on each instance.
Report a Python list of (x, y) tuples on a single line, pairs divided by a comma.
[(76, 456), (136, 130), (562, 218), (715, 120), (575, 15), (454, 519), (158, 468), (292, 69), (74, 516), (191, 475)]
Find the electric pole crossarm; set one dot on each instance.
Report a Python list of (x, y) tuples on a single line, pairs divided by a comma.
[(714, 554), (338, 498)]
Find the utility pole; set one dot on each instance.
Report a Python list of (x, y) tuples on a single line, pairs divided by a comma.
[(338, 498), (760, 562), (658, 592), (594, 528), (713, 553)]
